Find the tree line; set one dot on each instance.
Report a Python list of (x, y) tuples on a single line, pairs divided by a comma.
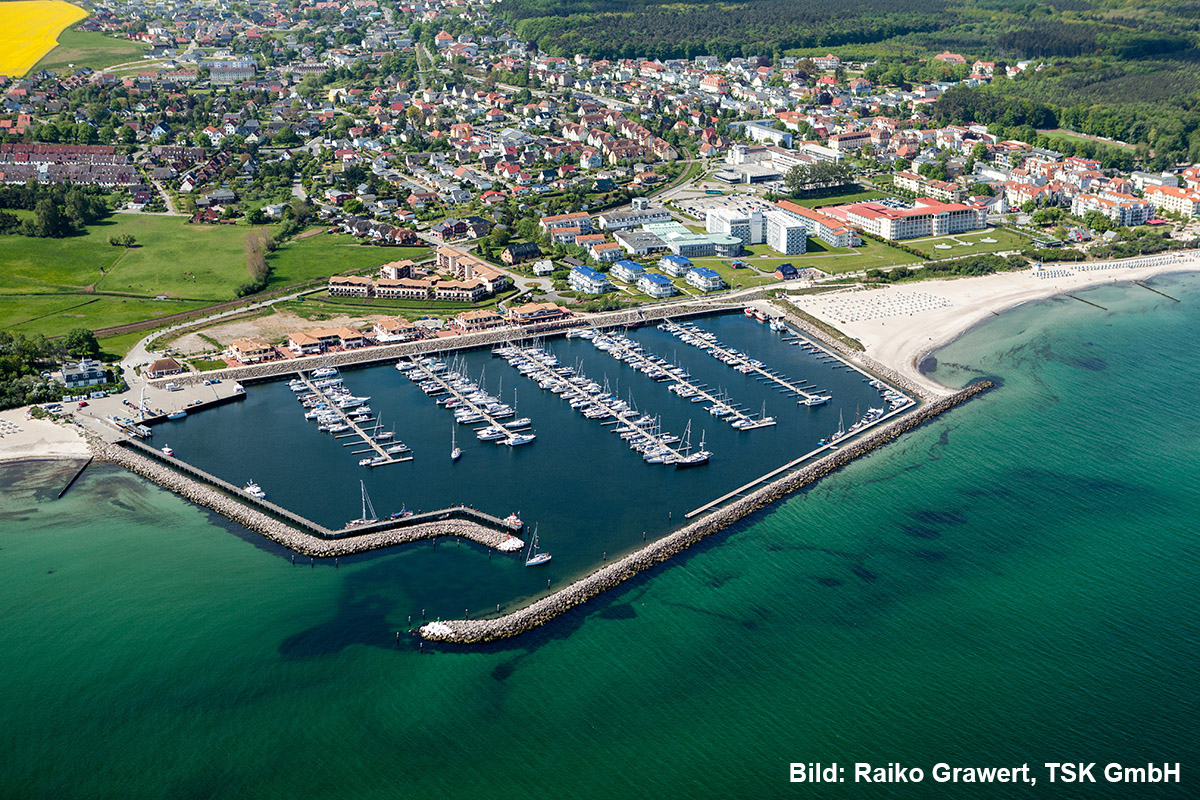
[(58, 209)]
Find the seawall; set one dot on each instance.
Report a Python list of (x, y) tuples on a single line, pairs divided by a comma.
[(547, 608), (281, 531)]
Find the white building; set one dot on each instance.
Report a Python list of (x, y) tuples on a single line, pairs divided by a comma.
[(785, 234), (588, 281), (747, 226), (704, 279), (656, 285)]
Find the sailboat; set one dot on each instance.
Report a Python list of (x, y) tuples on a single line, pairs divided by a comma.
[(365, 519), (697, 458), (533, 557), (455, 450), (841, 431)]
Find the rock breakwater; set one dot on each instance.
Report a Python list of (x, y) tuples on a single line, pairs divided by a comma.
[(547, 608), (277, 530)]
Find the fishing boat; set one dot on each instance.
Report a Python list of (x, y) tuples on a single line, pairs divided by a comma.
[(748, 311), (254, 490), (455, 450), (533, 557), (513, 521), (167, 451), (368, 510)]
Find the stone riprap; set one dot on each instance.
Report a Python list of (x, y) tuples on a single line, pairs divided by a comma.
[(288, 535), (612, 575)]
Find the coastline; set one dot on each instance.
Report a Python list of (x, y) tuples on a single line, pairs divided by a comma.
[(902, 341), (28, 439)]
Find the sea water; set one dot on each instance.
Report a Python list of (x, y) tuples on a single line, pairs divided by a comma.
[(1014, 583)]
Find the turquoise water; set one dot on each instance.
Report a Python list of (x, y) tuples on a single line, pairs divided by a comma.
[(1013, 583)]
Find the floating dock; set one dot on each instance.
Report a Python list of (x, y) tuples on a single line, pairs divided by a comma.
[(744, 364), (387, 457)]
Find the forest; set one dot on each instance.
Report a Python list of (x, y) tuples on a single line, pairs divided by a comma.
[(988, 29)]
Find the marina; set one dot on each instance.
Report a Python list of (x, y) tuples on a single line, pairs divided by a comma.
[(656, 368), (471, 404), (690, 333), (333, 412), (643, 432), (594, 484)]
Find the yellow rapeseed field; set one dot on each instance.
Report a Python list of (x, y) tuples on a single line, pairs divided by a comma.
[(29, 29)]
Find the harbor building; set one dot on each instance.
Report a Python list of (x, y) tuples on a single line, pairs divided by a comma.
[(251, 350), (164, 367), (394, 330), (628, 271), (589, 281), (84, 373), (704, 279), (478, 320), (655, 285), (537, 314)]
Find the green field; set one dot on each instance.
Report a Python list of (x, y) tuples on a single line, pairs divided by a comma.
[(49, 285), (861, 196), (1005, 240), (833, 260), (329, 254), (89, 49), (55, 314), (1077, 138)]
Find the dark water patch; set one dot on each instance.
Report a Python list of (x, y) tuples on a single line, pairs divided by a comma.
[(17, 516), (938, 517), (51, 571), (717, 581), (864, 573), (928, 365), (618, 611), (1089, 363), (920, 531), (504, 670), (929, 555), (830, 581), (706, 612), (357, 622)]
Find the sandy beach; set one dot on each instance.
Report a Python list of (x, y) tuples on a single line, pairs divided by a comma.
[(900, 325), (24, 439)]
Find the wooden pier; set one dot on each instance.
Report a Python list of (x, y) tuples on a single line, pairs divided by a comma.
[(735, 413), (722, 353), (388, 458), (462, 398)]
